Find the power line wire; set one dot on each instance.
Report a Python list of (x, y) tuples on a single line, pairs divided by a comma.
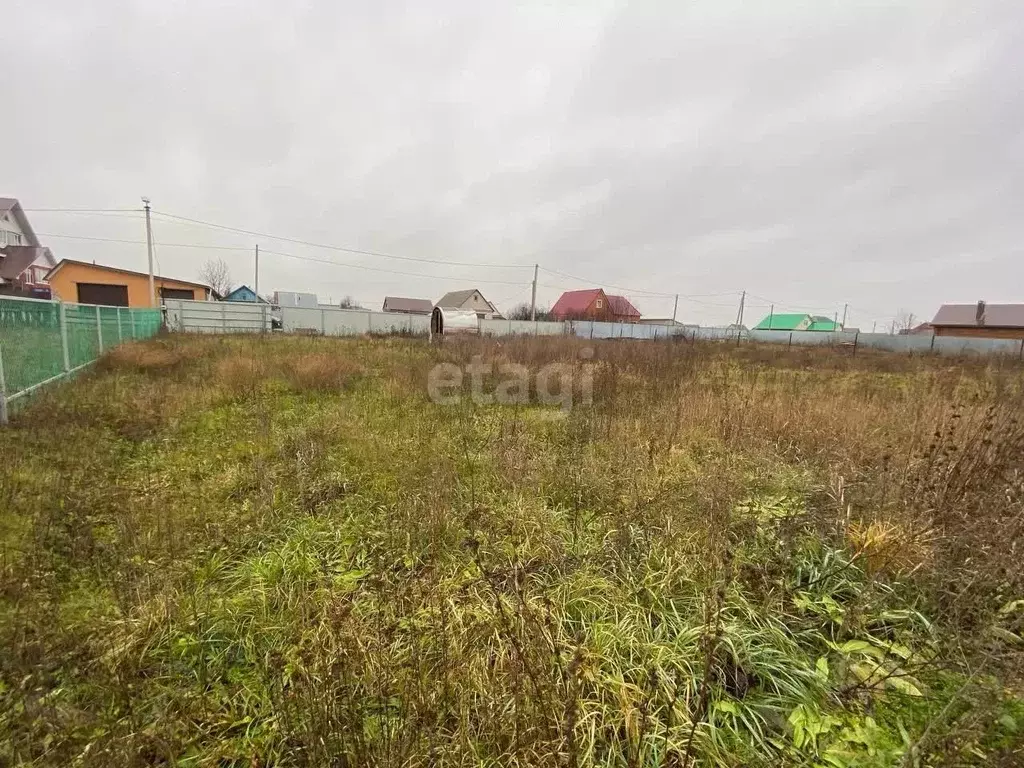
[(82, 210), (143, 242), (873, 314), (639, 291), (391, 271), (616, 287), (657, 295), (795, 304), (696, 298), (330, 262), (344, 249)]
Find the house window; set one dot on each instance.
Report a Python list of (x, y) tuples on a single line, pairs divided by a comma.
[(16, 236), (598, 304)]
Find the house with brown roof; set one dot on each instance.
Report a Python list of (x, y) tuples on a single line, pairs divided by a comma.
[(24, 262), (594, 304), (983, 320), (408, 306)]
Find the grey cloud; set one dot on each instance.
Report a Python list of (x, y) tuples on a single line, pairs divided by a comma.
[(814, 153)]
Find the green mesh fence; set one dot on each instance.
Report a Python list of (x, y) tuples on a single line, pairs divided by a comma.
[(32, 340), (29, 342)]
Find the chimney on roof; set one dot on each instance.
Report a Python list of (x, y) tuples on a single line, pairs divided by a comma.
[(979, 316)]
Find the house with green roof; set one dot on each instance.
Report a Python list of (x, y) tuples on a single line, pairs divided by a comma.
[(798, 321)]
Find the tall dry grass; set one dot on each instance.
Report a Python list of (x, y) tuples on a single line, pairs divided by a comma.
[(278, 551)]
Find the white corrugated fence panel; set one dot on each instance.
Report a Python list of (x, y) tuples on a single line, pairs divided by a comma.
[(390, 322), (959, 345), (216, 316), (302, 319), (351, 322), (535, 327), (719, 334), (247, 317), (494, 327), (344, 322), (909, 343)]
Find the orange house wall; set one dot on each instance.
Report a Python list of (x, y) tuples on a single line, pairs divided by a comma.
[(64, 284)]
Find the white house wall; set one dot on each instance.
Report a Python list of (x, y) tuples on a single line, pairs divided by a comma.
[(9, 223)]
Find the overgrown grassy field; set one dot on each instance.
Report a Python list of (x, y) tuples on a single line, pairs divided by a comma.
[(280, 551)]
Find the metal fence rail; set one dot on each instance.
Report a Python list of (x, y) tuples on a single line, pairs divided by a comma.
[(217, 316), (225, 317), (44, 341)]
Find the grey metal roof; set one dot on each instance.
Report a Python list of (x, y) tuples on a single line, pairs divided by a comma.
[(8, 205), (456, 299), (414, 306), (993, 316)]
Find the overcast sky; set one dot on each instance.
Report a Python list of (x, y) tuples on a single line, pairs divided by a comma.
[(810, 153)]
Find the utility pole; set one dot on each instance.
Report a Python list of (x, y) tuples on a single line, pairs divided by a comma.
[(874, 324), (256, 285), (739, 315), (771, 313), (845, 307), (674, 308), (149, 250), (533, 296)]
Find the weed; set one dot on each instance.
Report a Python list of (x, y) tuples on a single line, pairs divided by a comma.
[(277, 551)]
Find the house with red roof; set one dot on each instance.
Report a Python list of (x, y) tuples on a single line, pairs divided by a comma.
[(594, 304)]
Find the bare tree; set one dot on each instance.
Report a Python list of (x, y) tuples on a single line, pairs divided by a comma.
[(522, 312), (216, 274), (904, 322), (349, 303)]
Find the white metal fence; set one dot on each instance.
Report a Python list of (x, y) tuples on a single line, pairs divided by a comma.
[(217, 316), (229, 317), (351, 322), (521, 327)]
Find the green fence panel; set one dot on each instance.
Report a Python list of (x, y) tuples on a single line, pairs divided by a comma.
[(83, 338), (109, 326), (143, 323), (29, 342), (32, 339)]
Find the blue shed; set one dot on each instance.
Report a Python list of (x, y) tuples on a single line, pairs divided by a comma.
[(243, 293)]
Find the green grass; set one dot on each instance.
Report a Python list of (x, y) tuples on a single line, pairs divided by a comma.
[(237, 551)]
